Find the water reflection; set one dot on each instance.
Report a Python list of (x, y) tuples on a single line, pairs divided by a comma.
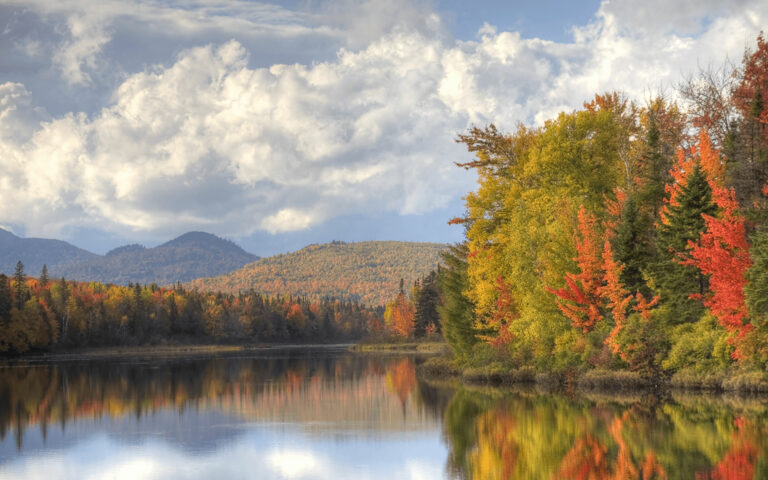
[(332, 414), (293, 413), (544, 435)]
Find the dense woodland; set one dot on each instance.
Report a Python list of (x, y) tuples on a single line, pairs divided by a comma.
[(367, 272), (45, 314), (621, 235)]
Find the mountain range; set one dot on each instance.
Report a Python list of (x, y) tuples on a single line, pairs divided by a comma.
[(36, 252), (192, 255), (368, 272)]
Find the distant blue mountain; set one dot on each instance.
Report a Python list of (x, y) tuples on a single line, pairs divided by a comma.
[(36, 252), (190, 256)]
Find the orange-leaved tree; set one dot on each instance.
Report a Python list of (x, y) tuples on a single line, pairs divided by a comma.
[(497, 329), (580, 300)]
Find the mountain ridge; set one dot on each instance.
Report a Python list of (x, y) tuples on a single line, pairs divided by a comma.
[(189, 256), (36, 252)]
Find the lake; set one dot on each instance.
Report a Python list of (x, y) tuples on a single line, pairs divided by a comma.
[(326, 413)]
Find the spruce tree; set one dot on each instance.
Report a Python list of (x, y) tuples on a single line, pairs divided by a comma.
[(426, 303), (632, 246), (20, 290), (676, 283), (5, 298), (654, 171), (756, 290), (44, 276), (457, 314)]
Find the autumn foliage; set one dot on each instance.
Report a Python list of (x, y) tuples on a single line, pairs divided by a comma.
[(580, 299)]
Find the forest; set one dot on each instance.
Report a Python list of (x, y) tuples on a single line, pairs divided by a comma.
[(39, 314), (621, 235), (367, 272)]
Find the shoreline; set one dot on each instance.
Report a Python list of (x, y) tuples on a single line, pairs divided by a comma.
[(600, 381), (434, 348), (440, 367), (161, 351)]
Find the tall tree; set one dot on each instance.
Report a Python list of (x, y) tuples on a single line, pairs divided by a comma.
[(5, 298), (402, 316), (580, 300), (690, 197), (722, 253), (633, 245), (20, 289), (457, 314), (44, 276), (426, 302)]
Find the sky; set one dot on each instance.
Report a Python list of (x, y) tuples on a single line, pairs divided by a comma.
[(281, 124)]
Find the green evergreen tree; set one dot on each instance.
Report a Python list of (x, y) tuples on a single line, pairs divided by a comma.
[(426, 302), (44, 276), (20, 290), (655, 171), (632, 246), (756, 291), (5, 298), (457, 314), (675, 282)]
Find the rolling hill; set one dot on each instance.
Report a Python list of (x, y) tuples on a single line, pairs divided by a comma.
[(36, 252), (190, 256), (368, 272)]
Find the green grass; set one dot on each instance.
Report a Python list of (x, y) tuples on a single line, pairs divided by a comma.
[(407, 347)]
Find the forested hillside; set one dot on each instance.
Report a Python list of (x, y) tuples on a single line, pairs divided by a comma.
[(368, 272), (190, 256)]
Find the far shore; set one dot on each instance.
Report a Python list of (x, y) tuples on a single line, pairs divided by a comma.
[(162, 351)]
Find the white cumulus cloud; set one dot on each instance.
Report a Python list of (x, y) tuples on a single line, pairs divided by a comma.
[(210, 141)]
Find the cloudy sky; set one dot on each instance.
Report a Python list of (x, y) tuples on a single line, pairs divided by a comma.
[(287, 123)]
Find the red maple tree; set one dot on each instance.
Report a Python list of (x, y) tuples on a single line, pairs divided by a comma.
[(580, 300)]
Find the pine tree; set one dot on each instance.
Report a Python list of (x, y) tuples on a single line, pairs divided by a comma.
[(653, 174), (44, 276), (756, 290), (20, 290), (682, 224), (426, 303), (5, 299), (457, 314), (632, 246)]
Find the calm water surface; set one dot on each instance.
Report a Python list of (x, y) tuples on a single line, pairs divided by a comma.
[(326, 414)]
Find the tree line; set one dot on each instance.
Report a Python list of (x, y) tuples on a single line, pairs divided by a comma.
[(414, 314), (621, 235), (47, 314)]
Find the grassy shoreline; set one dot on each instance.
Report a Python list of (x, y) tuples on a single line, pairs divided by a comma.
[(401, 347), (443, 367)]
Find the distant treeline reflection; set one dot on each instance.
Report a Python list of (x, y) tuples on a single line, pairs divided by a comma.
[(370, 393)]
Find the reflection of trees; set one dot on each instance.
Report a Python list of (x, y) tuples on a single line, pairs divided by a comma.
[(741, 459), (362, 391), (497, 449), (589, 458), (550, 436), (460, 415), (401, 379)]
